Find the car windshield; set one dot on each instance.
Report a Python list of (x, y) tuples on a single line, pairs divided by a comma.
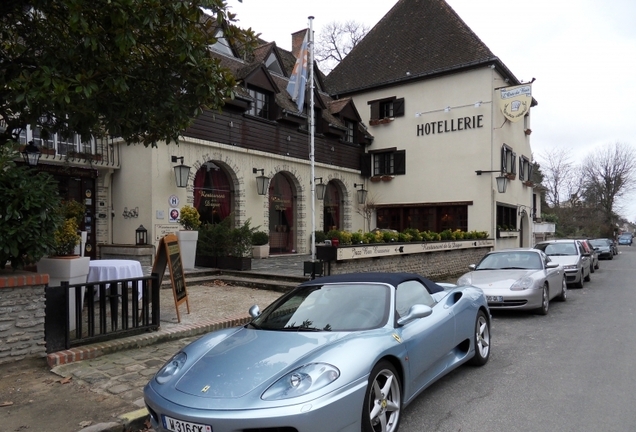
[(558, 249), (600, 243), (330, 307), (510, 261)]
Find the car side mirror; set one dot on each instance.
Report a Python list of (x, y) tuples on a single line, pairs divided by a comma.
[(551, 265), (417, 311), (472, 267), (255, 311)]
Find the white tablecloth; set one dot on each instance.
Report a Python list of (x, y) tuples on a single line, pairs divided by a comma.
[(106, 270)]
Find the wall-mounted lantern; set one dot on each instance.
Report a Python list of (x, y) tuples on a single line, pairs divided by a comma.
[(262, 181), (181, 172), (362, 193), (321, 188), (502, 180), (31, 154), (141, 236)]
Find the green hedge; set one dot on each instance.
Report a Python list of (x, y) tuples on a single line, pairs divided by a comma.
[(389, 236)]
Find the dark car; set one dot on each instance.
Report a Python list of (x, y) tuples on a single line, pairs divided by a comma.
[(604, 247), (589, 248)]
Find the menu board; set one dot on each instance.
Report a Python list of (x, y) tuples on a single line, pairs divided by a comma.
[(169, 255)]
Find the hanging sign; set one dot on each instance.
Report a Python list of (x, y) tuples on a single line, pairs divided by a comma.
[(515, 101), (169, 255)]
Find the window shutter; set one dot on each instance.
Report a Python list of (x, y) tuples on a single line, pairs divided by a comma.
[(398, 107), (521, 169), (365, 165), (399, 159), (504, 160), (375, 110), (514, 163), (529, 171)]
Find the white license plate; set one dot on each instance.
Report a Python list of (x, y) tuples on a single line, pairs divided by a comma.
[(176, 425), (494, 299)]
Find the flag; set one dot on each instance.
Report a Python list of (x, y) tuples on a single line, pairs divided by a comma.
[(298, 80)]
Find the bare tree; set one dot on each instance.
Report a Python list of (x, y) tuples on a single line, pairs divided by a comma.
[(336, 40), (609, 174), (367, 210), (561, 177)]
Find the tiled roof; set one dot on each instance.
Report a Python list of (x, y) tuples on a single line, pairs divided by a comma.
[(416, 38)]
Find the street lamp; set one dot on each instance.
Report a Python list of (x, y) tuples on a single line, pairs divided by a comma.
[(31, 154)]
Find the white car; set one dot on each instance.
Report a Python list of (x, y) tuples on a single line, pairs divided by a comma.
[(571, 254)]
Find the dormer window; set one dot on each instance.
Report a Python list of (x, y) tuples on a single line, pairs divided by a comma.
[(350, 131), (260, 104)]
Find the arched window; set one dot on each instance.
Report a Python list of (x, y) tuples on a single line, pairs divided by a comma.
[(212, 193)]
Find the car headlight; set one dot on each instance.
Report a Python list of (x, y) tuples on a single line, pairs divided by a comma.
[(301, 381), (173, 366), (569, 267), (465, 280), (522, 284)]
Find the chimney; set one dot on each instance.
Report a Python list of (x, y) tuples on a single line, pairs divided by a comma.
[(297, 41)]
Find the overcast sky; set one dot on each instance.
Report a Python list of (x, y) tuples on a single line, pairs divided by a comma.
[(582, 54)]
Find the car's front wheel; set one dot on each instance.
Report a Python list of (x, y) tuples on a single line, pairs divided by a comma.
[(482, 340), (564, 291), (383, 401), (545, 301), (589, 274)]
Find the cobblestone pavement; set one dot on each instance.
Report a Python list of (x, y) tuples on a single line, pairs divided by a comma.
[(125, 373)]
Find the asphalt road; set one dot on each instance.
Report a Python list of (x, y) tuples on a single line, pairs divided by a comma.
[(571, 370)]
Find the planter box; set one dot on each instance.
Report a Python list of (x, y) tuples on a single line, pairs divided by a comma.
[(326, 253), (206, 261), (261, 251), (505, 234), (234, 263)]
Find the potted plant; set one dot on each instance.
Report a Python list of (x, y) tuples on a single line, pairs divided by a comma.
[(64, 264), (260, 244), (188, 236), (224, 247)]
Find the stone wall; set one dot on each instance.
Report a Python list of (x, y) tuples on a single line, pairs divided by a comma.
[(439, 266), (22, 302)]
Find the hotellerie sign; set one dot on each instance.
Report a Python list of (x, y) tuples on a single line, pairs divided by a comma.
[(388, 249), (450, 125)]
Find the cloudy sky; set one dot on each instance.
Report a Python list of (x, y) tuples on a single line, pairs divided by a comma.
[(582, 54)]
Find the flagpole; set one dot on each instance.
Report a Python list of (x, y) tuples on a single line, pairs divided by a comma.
[(311, 140)]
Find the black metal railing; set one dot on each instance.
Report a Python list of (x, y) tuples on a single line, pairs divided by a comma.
[(102, 311)]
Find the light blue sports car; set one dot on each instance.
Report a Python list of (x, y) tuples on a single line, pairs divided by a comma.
[(338, 353)]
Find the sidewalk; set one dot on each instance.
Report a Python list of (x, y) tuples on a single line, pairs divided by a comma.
[(93, 393)]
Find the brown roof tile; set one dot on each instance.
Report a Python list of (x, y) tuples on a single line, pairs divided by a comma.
[(418, 37)]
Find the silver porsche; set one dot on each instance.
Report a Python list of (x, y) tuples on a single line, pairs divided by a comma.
[(520, 278), (339, 353)]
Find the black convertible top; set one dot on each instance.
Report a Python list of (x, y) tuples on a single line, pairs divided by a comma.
[(393, 279)]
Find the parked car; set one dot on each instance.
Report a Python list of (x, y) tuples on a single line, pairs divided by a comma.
[(522, 278), (625, 239), (589, 248), (572, 256), (604, 248), (343, 352)]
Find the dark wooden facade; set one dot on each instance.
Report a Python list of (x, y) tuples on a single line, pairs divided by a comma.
[(235, 128)]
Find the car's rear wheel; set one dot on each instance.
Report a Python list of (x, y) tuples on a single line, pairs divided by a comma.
[(383, 401), (482, 340), (564, 291), (545, 301)]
